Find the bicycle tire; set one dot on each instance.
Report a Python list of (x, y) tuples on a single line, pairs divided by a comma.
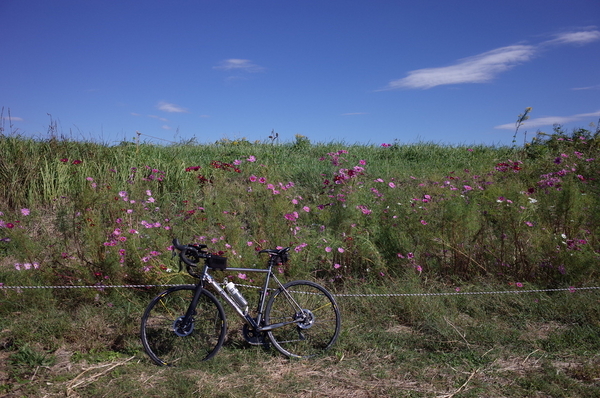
[(317, 333), (167, 343)]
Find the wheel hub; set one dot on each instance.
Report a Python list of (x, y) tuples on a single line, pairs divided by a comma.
[(182, 329), (306, 319)]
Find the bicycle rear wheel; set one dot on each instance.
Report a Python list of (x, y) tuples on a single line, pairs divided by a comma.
[(168, 341), (314, 316)]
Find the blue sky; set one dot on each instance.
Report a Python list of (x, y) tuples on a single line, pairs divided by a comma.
[(372, 72)]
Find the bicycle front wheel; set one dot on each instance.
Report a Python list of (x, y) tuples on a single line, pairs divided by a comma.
[(312, 317), (169, 340)]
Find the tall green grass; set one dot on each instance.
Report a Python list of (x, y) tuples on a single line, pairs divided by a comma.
[(88, 213)]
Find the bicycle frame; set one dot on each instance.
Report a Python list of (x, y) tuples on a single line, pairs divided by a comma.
[(255, 323)]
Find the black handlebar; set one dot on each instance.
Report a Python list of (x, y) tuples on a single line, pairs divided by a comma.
[(190, 255), (178, 245)]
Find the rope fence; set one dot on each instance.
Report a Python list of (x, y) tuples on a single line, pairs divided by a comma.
[(457, 293)]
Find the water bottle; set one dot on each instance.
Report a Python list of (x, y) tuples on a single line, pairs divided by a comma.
[(237, 296)]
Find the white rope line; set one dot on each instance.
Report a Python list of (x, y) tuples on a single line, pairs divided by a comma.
[(569, 289), (100, 287), (85, 286)]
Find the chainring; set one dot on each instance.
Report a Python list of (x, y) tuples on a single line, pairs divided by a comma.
[(252, 336)]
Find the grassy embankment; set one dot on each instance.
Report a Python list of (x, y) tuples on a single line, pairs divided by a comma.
[(362, 219)]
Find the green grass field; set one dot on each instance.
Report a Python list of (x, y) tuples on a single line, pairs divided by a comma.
[(419, 218)]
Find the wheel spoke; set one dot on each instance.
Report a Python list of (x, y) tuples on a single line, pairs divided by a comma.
[(168, 341), (314, 316)]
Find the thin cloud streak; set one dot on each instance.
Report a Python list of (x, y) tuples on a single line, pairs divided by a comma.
[(595, 87), (584, 37), (549, 121), (158, 117), (239, 64), (171, 108), (485, 67), (13, 118)]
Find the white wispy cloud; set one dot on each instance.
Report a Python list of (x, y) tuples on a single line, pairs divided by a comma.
[(582, 37), (13, 118), (354, 113), (162, 119), (171, 108), (239, 64), (486, 66), (594, 87), (476, 69), (549, 121)]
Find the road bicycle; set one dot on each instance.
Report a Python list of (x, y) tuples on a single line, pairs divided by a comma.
[(187, 323)]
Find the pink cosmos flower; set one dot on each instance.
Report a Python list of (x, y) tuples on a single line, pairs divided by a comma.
[(301, 246), (25, 212), (364, 209)]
